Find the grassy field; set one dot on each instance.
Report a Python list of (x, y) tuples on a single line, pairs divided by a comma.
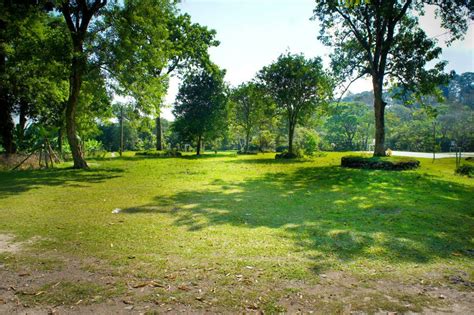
[(228, 232)]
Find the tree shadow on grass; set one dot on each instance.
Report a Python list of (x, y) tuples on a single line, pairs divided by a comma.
[(14, 183), (340, 213)]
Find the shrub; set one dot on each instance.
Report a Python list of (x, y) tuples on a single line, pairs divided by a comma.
[(165, 153), (307, 140), (247, 153), (286, 155), (379, 163), (466, 170)]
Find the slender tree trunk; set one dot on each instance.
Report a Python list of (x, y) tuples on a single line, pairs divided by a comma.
[(60, 141), (121, 131), (159, 133), (291, 132), (379, 110), (22, 121), (199, 144), (75, 82)]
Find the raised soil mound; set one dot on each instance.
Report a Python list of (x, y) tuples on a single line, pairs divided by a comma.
[(380, 163)]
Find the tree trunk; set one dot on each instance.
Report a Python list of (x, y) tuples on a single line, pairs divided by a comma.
[(6, 126), (247, 141), (6, 121), (121, 131), (291, 132), (199, 144), (22, 121), (60, 141), (159, 133), (379, 110), (75, 81)]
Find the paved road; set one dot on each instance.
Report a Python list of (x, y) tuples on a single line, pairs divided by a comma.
[(430, 155)]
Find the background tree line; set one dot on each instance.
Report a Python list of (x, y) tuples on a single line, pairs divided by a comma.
[(62, 64)]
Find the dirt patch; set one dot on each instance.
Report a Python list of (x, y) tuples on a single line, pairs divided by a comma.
[(7, 245), (53, 283)]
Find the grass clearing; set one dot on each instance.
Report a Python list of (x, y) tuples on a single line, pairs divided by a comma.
[(241, 231)]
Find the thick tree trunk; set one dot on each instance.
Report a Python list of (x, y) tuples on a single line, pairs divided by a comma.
[(379, 110), (247, 141), (159, 133), (6, 126), (75, 81), (6, 121), (199, 144)]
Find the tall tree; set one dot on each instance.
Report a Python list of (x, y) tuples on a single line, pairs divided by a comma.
[(201, 106), (168, 42), (382, 39), (297, 86), (78, 15)]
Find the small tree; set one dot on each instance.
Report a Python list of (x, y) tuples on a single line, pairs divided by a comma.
[(297, 86), (201, 106), (248, 108)]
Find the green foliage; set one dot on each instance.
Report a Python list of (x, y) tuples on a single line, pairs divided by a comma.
[(348, 126), (307, 140), (148, 41), (465, 169), (250, 110), (297, 86), (201, 106)]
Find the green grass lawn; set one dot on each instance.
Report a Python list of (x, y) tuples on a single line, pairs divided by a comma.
[(248, 230)]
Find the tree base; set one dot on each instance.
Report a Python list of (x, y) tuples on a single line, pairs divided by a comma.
[(286, 155), (379, 163)]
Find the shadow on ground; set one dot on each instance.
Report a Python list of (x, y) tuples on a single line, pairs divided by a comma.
[(13, 183), (336, 212)]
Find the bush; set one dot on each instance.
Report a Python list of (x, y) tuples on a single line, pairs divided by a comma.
[(286, 155), (307, 140), (466, 170), (379, 163), (165, 153), (247, 153)]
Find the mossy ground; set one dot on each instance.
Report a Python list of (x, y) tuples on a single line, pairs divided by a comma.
[(231, 232)]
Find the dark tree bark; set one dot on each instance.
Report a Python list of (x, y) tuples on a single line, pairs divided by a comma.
[(159, 133), (379, 111), (60, 141), (6, 125), (292, 119), (291, 133), (199, 144), (22, 121), (121, 131), (6, 121)]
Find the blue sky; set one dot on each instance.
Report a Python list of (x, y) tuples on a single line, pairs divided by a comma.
[(253, 33)]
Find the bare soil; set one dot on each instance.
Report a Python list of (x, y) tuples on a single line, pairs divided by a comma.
[(39, 283)]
